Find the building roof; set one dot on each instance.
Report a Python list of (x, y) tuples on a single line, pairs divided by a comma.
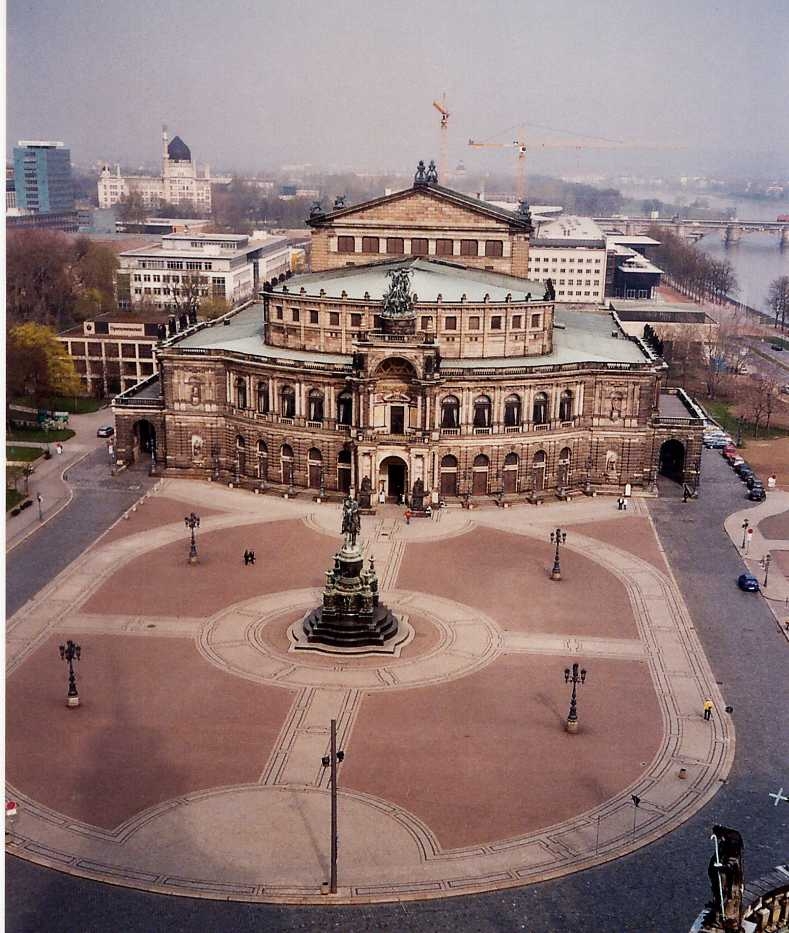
[(569, 231), (178, 151), (434, 190), (429, 279)]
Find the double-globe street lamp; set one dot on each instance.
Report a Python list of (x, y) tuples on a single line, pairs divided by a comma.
[(192, 521), (331, 760), (70, 652), (575, 677), (557, 537)]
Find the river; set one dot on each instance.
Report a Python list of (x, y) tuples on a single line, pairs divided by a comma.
[(757, 259)]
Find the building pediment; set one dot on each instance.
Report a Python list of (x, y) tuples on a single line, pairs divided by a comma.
[(422, 206)]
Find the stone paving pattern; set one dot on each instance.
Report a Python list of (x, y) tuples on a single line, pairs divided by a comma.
[(497, 659)]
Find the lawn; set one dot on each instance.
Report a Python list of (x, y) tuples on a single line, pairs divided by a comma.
[(721, 412), (36, 434), (80, 405), (12, 498), (23, 454)]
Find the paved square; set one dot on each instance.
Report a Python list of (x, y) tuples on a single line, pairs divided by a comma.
[(194, 762)]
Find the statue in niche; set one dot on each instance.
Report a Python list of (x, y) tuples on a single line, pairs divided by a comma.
[(197, 447), (196, 394), (611, 461), (418, 496), (351, 522), (398, 300), (365, 493), (616, 407)]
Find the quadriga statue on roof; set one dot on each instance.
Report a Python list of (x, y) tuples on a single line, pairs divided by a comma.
[(398, 299)]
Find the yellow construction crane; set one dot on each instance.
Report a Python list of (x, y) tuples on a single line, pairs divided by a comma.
[(520, 146), (441, 107)]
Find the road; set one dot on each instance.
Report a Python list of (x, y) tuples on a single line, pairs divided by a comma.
[(659, 889)]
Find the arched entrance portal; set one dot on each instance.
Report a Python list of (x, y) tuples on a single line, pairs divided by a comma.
[(672, 460), (144, 438), (393, 475)]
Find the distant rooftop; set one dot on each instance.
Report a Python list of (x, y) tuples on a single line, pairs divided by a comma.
[(569, 231), (40, 144), (429, 279)]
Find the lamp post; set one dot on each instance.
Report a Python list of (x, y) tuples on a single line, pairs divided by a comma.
[(588, 484), (40, 500), (331, 761), (765, 562), (575, 677), (70, 652), (557, 537), (745, 525), (291, 490), (322, 490), (192, 521), (153, 455)]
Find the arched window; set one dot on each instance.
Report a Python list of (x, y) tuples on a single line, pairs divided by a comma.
[(288, 402), (315, 455), (315, 405), (511, 460), (263, 397), (240, 442), (345, 408), (482, 412), (449, 462), (262, 460), (315, 468), (540, 410), (509, 479), (512, 411), (539, 458), (286, 461), (344, 470), (449, 475), (450, 412), (241, 392), (566, 406), (565, 463), (482, 461), (479, 475)]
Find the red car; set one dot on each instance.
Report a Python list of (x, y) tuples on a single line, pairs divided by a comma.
[(729, 452)]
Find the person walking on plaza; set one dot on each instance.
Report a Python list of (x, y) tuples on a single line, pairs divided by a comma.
[(707, 710), (246, 557)]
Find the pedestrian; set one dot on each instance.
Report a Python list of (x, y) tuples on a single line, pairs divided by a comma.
[(408, 516), (707, 710), (624, 504), (246, 558), (252, 558), (620, 503), (685, 493), (59, 447), (771, 481)]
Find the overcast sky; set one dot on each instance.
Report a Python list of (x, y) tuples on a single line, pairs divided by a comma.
[(252, 84)]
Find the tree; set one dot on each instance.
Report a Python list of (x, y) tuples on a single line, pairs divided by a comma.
[(94, 272), (132, 208), (213, 307), (38, 364), (188, 294), (778, 298), (38, 282)]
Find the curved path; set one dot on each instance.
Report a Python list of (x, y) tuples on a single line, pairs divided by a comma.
[(262, 840)]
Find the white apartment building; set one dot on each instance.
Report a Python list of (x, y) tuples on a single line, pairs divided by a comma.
[(228, 266), (571, 252), (178, 183)]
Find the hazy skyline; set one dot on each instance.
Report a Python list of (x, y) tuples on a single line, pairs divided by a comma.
[(250, 86)]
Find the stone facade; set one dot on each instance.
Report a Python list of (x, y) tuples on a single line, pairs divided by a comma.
[(344, 391)]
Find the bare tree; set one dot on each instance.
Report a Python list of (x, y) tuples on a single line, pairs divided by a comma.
[(778, 298), (188, 294)]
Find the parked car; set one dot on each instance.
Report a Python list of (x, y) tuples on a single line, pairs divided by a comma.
[(748, 582), (106, 430), (740, 466), (776, 346), (745, 473), (752, 480), (729, 452), (757, 493)]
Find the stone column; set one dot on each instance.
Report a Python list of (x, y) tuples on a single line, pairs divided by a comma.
[(419, 424)]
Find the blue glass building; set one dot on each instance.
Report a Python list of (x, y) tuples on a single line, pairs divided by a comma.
[(42, 174)]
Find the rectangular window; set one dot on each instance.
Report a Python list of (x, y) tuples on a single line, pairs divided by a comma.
[(313, 316), (128, 350), (473, 323), (419, 247), (495, 323), (516, 320), (346, 244), (356, 320), (535, 320), (469, 248), (427, 323), (280, 313), (395, 245), (450, 323), (334, 318), (494, 248), (145, 350), (295, 314), (77, 348), (370, 244), (94, 349), (444, 247)]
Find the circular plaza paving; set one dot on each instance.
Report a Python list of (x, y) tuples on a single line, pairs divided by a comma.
[(193, 765)]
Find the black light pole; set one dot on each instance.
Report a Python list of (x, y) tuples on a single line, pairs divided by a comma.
[(192, 521), (573, 678), (40, 500), (332, 760), (70, 652), (291, 490), (557, 537), (745, 525)]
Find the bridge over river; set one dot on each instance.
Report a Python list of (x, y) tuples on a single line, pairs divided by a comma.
[(732, 230)]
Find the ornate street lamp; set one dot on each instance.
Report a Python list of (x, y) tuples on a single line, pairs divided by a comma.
[(745, 525), (70, 652), (588, 483), (557, 537), (573, 678), (765, 562), (192, 521), (332, 760)]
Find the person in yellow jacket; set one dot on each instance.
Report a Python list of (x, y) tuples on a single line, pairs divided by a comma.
[(708, 710)]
